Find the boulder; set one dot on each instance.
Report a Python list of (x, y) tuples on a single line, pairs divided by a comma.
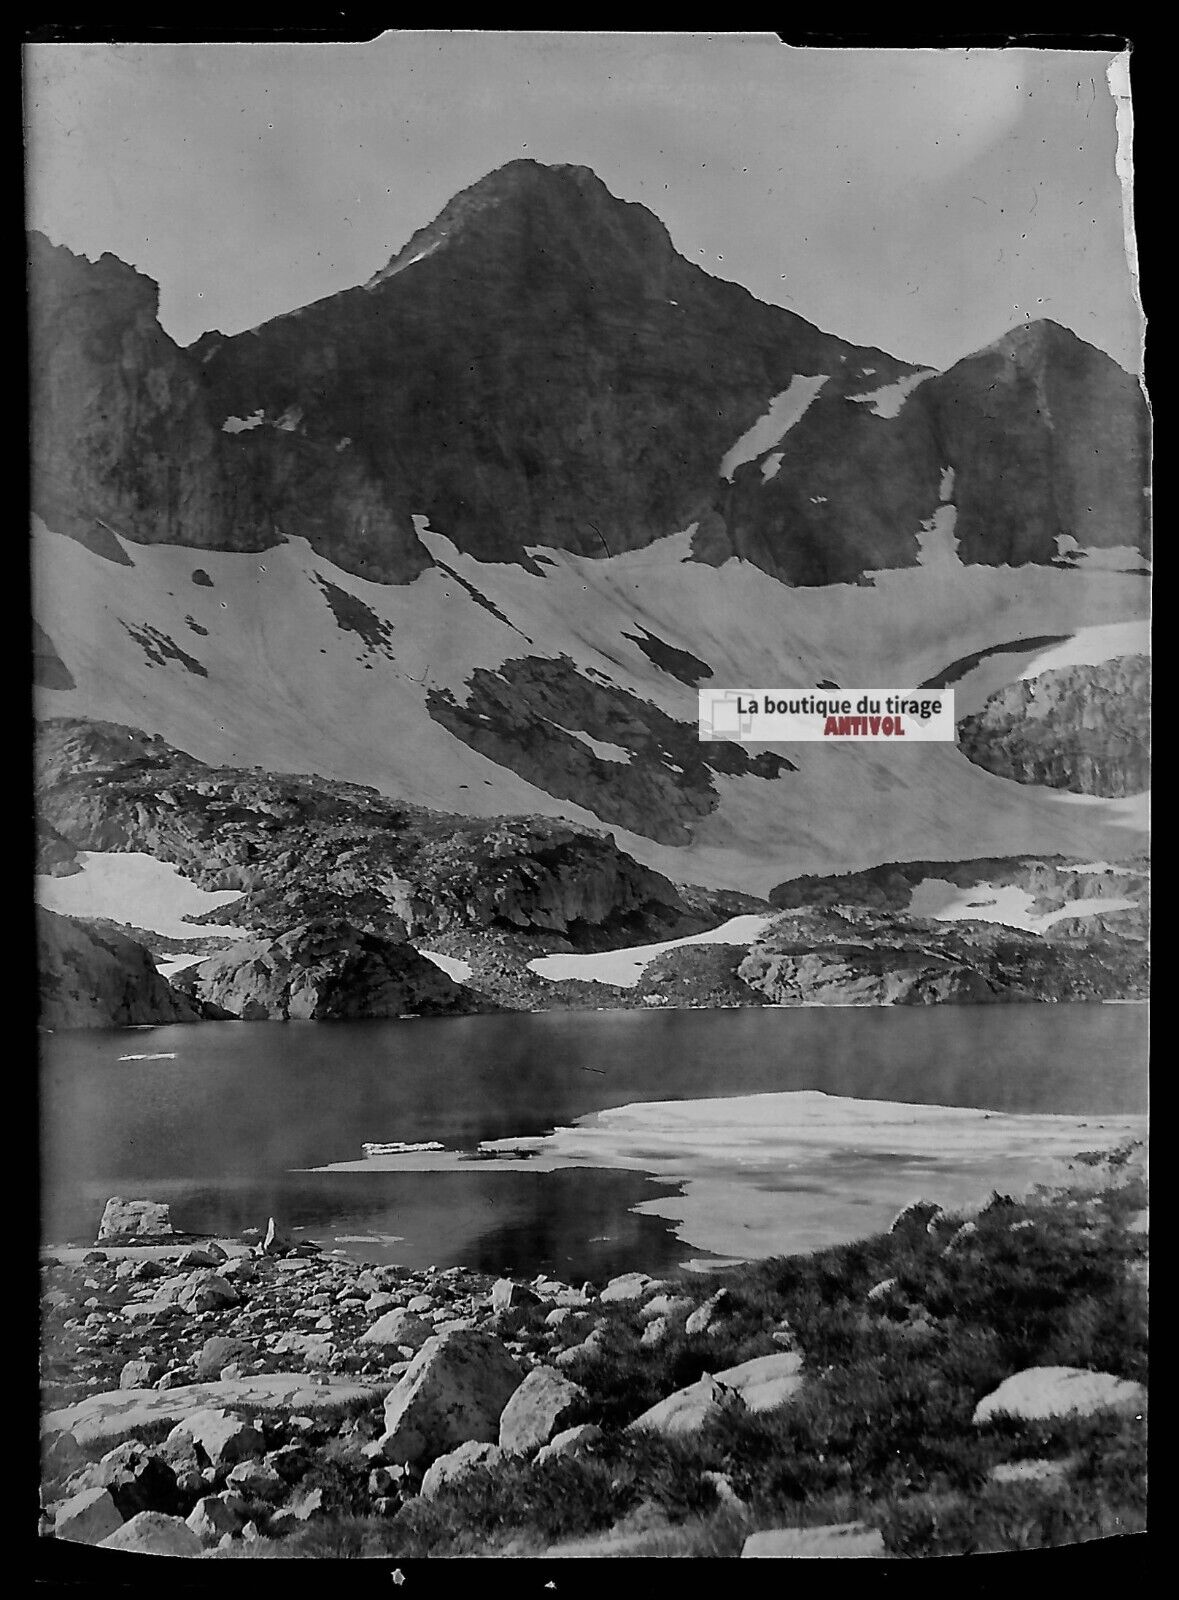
[(217, 1353), (846, 1540), (569, 1442), (397, 1327), (1038, 1393), (915, 1218), (137, 1220), (216, 1515), (453, 1391), (313, 1349), (87, 1518), (714, 1307), (506, 1295), (666, 1305), (307, 1507), (628, 1286), (153, 1534), (203, 1256), (139, 1479), (275, 1241), (655, 1333), (224, 1437), (451, 1466), (206, 1291), (537, 1410), (61, 1454), (687, 1410), (140, 1374), (258, 1480), (766, 1382)]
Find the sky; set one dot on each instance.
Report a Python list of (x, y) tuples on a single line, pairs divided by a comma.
[(922, 201)]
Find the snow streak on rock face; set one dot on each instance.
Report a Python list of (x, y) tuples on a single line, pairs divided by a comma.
[(887, 402), (785, 410)]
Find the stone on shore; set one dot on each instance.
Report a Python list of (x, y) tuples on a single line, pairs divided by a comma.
[(153, 1534), (627, 1286), (538, 1409), (88, 1517), (455, 1389), (134, 1220), (838, 1541), (1039, 1393), (506, 1294)]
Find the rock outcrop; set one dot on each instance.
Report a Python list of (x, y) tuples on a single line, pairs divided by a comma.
[(322, 972), (304, 849), (1082, 728), (90, 978)]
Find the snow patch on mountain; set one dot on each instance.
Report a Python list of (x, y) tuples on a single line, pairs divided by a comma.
[(243, 424), (1108, 558), (623, 968), (1092, 645), (887, 402), (770, 429), (130, 886), (1004, 903), (453, 966), (602, 748)]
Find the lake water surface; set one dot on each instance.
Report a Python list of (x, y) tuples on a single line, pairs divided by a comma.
[(229, 1119)]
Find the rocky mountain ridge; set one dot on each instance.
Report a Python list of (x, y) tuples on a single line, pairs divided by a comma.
[(540, 367)]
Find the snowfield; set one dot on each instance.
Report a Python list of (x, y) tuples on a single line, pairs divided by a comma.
[(624, 968), (287, 689), (1004, 903), (127, 886)]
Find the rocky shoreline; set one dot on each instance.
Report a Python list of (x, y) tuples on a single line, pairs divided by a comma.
[(256, 1397)]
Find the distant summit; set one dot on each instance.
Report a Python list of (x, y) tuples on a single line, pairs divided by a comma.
[(539, 367)]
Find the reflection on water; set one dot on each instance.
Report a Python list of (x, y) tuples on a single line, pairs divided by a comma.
[(221, 1129)]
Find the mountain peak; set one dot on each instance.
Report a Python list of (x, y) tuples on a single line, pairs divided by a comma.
[(527, 200)]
